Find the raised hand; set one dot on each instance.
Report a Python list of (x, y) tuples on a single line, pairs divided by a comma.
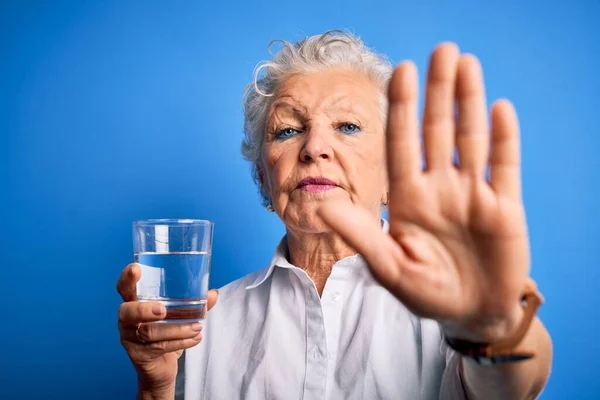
[(457, 249)]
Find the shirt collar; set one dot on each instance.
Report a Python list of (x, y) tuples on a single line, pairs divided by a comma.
[(280, 259)]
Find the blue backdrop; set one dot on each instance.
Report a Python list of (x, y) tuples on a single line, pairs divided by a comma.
[(112, 111)]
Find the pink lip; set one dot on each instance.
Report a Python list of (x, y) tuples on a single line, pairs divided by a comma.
[(316, 184)]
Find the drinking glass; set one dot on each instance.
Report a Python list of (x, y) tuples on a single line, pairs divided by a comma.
[(174, 257)]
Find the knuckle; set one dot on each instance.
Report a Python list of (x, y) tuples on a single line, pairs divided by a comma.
[(123, 312), (129, 312), (149, 332), (159, 346), (145, 333), (437, 121)]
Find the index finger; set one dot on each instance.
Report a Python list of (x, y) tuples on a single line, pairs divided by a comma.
[(403, 142), (126, 285)]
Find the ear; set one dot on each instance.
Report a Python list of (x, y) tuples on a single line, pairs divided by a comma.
[(264, 182), (385, 198), (259, 173)]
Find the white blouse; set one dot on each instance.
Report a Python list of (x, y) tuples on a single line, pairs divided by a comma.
[(270, 336)]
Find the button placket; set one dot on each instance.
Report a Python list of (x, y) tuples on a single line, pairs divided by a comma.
[(332, 303), (315, 383)]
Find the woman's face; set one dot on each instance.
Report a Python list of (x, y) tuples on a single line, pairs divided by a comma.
[(324, 142)]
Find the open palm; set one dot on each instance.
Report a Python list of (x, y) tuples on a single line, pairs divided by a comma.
[(457, 249)]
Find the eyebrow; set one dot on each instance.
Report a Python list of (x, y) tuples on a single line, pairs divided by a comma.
[(342, 102), (287, 103)]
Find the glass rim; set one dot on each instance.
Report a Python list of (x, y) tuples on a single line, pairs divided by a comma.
[(173, 222)]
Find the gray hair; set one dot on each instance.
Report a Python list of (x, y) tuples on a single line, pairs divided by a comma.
[(332, 49)]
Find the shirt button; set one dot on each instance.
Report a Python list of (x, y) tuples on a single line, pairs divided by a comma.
[(335, 296)]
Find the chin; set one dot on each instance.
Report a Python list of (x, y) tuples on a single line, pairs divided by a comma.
[(312, 227), (304, 219)]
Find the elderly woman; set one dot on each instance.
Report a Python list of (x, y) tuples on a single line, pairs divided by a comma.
[(436, 303)]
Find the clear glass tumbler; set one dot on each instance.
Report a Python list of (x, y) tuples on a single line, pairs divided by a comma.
[(174, 256)]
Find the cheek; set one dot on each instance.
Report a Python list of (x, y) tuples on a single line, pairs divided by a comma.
[(280, 165), (277, 173), (375, 157), (366, 172), (378, 168), (370, 152)]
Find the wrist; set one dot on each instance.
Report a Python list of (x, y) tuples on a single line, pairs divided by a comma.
[(484, 330), (146, 392), (501, 342)]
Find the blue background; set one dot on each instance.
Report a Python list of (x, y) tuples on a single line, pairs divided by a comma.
[(112, 111)]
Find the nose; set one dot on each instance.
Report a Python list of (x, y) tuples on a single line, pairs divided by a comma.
[(316, 147)]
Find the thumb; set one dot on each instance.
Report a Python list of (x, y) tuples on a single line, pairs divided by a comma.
[(213, 295), (363, 232), (387, 261)]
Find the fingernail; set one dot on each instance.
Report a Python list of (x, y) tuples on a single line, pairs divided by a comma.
[(198, 337), (157, 309), (132, 271), (196, 326)]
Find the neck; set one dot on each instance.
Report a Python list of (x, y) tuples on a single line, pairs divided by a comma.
[(316, 253)]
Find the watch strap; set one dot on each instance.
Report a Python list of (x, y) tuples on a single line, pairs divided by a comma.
[(504, 350)]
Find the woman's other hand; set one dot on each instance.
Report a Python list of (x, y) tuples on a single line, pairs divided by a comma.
[(457, 249)]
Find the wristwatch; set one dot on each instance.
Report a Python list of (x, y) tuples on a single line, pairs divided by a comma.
[(503, 351)]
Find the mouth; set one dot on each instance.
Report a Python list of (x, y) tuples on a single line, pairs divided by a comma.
[(316, 184)]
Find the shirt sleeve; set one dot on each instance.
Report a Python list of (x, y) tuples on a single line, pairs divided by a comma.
[(452, 387)]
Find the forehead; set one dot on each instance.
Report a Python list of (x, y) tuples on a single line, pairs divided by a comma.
[(327, 90)]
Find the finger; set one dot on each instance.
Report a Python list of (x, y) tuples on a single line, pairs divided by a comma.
[(386, 259), (438, 118), (363, 233), (472, 130), (134, 312), (126, 285), (168, 346), (213, 296), (403, 144), (505, 169), (152, 332)]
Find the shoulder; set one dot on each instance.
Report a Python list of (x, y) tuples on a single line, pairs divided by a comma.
[(237, 307), (239, 286), (236, 295)]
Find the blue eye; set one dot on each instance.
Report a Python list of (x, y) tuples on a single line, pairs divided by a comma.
[(349, 128), (286, 133)]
